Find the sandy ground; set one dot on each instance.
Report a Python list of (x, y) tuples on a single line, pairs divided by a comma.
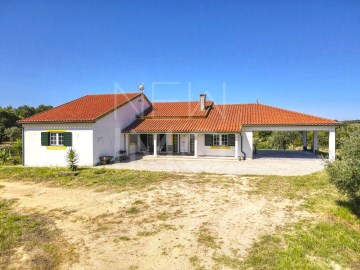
[(159, 227), (290, 164)]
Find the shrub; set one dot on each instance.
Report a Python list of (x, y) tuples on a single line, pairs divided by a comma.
[(72, 158), (5, 156), (345, 172), (17, 147)]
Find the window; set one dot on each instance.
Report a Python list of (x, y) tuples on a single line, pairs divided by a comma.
[(220, 139), (216, 140), (224, 139), (56, 138)]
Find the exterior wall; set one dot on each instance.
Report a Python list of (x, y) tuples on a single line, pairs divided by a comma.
[(219, 151), (108, 138), (37, 155), (247, 144)]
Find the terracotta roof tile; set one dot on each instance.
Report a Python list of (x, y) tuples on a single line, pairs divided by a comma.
[(226, 118), (177, 109), (85, 109)]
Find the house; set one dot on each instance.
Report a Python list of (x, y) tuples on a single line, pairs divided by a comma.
[(105, 124)]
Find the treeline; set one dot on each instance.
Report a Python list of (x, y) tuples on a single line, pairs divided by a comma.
[(285, 140), (9, 128)]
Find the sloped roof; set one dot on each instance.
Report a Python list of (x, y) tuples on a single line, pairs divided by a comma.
[(228, 118), (85, 109), (177, 109)]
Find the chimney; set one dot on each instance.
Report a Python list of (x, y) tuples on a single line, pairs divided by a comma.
[(202, 102)]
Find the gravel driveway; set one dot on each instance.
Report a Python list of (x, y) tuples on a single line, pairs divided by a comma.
[(284, 163)]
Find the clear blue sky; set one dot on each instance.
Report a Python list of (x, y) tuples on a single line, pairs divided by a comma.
[(300, 55)]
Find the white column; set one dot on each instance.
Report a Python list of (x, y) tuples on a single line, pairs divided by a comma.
[(155, 145), (127, 143), (248, 143), (195, 146), (316, 142), (236, 146), (332, 144), (304, 139)]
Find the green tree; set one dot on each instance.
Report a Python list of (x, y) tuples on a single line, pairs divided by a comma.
[(11, 134), (344, 173), (25, 111), (43, 108), (8, 119)]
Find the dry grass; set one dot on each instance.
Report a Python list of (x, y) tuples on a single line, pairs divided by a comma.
[(30, 241)]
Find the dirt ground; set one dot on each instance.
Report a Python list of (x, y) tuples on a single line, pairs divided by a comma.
[(174, 225)]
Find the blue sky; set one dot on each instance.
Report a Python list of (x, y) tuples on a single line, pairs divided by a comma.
[(300, 55)]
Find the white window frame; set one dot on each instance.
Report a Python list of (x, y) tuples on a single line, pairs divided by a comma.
[(56, 138), (219, 139)]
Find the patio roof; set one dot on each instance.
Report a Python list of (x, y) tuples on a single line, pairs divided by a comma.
[(225, 118)]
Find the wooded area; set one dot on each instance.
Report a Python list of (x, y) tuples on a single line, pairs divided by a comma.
[(9, 128)]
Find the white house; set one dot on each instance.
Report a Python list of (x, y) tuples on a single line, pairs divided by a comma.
[(104, 125)]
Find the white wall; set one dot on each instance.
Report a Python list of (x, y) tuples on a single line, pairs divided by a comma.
[(37, 155), (247, 144), (108, 139), (212, 151)]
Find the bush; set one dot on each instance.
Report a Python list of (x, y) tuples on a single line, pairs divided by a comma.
[(345, 172), (72, 158), (5, 156), (12, 134), (17, 147)]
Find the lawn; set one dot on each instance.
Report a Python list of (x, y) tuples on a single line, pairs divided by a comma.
[(197, 221)]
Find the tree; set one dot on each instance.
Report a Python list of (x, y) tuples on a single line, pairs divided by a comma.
[(12, 134), (25, 111), (8, 119), (43, 108), (344, 173)]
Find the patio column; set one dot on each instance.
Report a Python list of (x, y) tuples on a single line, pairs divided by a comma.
[(127, 143), (332, 145), (155, 145), (236, 146), (195, 145), (316, 142), (304, 139)]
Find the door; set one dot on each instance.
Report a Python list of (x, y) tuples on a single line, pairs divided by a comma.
[(184, 143)]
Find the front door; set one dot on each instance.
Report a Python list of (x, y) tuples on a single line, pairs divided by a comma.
[(184, 143)]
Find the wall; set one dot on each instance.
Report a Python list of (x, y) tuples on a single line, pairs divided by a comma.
[(37, 155), (247, 144), (211, 151), (108, 138)]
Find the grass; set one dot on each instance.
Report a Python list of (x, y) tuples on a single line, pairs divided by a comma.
[(330, 240), (133, 210), (30, 235), (206, 237), (88, 177), (122, 238)]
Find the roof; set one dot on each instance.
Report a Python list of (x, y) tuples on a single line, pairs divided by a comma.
[(85, 109), (178, 109), (225, 118)]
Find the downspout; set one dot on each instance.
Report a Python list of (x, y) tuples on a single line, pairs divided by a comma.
[(241, 147), (23, 147)]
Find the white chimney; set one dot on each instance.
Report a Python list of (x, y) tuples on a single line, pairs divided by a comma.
[(202, 102)]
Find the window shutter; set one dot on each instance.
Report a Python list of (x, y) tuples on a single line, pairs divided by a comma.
[(45, 138), (208, 139), (231, 140), (67, 139)]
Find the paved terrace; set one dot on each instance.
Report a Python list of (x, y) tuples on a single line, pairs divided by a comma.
[(286, 163)]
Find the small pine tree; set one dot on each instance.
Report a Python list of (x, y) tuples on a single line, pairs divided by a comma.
[(72, 159)]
